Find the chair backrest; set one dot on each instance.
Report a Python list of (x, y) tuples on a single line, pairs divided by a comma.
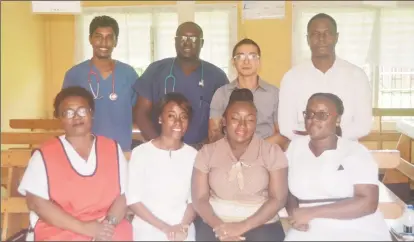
[(386, 159), (54, 125), (14, 211), (20, 138), (32, 124)]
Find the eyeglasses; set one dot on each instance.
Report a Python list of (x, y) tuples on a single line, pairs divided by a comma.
[(81, 112), (185, 38), (250, 56), (321, 115)]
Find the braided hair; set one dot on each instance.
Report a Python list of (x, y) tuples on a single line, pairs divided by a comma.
[(336, 101)]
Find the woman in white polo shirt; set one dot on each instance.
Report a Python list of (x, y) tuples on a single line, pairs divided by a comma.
[(336, 178), (159, 178)]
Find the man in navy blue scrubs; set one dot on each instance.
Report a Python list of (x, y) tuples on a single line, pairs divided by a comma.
[(110, 82), (196, 79)]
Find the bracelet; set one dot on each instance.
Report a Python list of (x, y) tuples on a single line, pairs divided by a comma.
[(112, 220)]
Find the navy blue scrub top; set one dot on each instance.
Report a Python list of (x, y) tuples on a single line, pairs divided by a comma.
[(112, 119), (151, 85)]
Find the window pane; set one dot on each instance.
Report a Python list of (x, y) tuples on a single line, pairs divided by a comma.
[(165, 27), (215, 25), (134, 38), (396, 77)]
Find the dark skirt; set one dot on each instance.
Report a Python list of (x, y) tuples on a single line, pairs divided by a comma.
[(266, 232)]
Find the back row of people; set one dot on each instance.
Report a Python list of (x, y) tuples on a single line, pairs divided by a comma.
[(79, 185), (118, 90)]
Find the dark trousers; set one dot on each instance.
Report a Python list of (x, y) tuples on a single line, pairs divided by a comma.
[(266, 232)]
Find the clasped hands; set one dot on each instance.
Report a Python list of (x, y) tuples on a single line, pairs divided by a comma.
[(178, 232), (230, 231), (300, 218), (101, 230)]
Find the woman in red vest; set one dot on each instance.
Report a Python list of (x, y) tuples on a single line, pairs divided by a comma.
[(75, 183)]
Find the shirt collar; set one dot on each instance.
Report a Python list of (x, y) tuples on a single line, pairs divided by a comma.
[(262, 84), (251, 154)]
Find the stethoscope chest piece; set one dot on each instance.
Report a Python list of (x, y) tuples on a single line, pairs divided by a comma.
[(113, 96)]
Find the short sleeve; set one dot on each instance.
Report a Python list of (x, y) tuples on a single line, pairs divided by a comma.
[(362, 168), (143, 84), (68, 80), (134, 77), (34, 178), (123, 165), (202, 160), (274, 157), (217, 105), (135, 178)]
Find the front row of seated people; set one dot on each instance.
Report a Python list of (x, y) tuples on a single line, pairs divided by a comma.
[(79, 186)]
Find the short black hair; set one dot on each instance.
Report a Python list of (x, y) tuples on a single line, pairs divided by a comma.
[(74, 91), (340, 109), (101, 22), (179, 99), (323, 16), (190, 23), (246, 42)]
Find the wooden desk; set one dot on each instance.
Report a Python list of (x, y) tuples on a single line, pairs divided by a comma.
[(404, 145), (389, 204)]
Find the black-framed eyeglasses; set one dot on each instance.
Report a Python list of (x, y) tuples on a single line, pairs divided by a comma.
[(81, 112), (250, 56), (321, 115), (185, 38)]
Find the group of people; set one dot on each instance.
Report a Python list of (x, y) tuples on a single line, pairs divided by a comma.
[(220, 159)]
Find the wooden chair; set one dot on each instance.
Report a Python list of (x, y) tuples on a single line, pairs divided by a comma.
[(47, 125), (35, 124), (14, 211)]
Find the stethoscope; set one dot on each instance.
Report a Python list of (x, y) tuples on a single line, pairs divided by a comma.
[(172, 77), (112, 96)]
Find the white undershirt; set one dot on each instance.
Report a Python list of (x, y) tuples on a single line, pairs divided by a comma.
[(35, 177), (161, 180), (347, 81)]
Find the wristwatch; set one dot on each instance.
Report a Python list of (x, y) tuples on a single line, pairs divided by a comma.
[(112, 220)]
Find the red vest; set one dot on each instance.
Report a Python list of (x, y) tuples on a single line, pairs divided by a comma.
[(84, 197)]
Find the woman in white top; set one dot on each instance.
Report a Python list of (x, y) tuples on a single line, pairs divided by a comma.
[(335, 179), (159, 178)]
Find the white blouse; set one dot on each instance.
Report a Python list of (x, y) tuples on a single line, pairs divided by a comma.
[(333, 175), (161, 180)]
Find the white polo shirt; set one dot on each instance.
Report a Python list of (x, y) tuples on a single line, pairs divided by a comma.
[(35, 177), (347, 81)]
